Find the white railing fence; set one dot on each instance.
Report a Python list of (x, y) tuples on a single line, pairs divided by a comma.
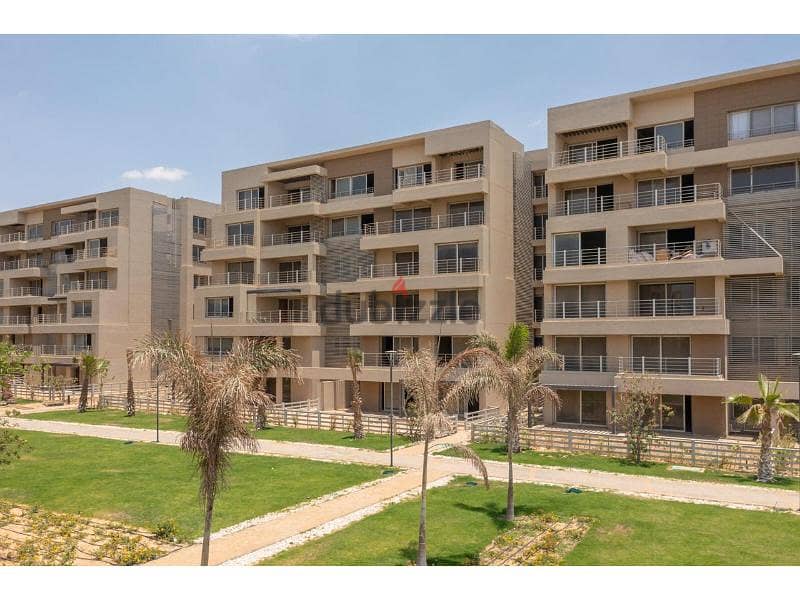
[(459, 173), (640, 199)]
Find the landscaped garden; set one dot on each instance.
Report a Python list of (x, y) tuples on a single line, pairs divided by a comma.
[(147, 420), (463, 519), (148, 485), (495, 451)]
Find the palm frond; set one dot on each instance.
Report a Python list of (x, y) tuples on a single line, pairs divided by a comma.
[(484, 340), (477, 463), (517, 341)]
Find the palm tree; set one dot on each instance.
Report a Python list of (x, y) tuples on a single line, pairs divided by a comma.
[(429, 383), (91, 366), (513, 372), (766, 413), (219, 402), (355, 358), (130, 397)]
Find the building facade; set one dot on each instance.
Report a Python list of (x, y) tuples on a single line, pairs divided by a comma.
[(671, 246), (96, 274)]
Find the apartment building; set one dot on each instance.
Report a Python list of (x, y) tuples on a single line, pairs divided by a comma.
[(673, 216), (97, 273), (401, 244)]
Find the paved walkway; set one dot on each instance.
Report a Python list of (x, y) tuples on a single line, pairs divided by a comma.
[(288, 524)]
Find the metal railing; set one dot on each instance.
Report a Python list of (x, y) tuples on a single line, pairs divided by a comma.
[(23, 263), (233, 278), (278, 316), (87, 226), (90, 253), (595, 364), (92, 284), (19, 292), (338, 195), (52, 319), (759, 131), (455, 313), (663, 307), (387, 314), (294, 197), (12, 320), (658, 197), (388, 270), (457, 265), (283, 277), (56, 350), (685, 365), (441, 176), (539, 191), (636, 254), (296, 237), (460, 219), (595, 152), (538, 273), (539, 233), (244, 239), (18, 236)]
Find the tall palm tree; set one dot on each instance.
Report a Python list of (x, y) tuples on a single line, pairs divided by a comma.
[(219, 402), (355, 358), (130, 397), (91, 366), (767, 413), (512, 371), (429, 383)]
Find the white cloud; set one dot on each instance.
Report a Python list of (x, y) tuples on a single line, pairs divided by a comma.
[(156, 174)]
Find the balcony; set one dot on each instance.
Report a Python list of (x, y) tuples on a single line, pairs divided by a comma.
[(86, 286), (297, 237), (234, 278), (92, 225), (447, 320), (25, 263), (14, 320), (539, 233), (10, 238), (661, 365), (351, 193), (539, 192), (442, 176), (23, 292), (656, 308), (447, 266), (657, 198), (594, 152), (94, 253), (231, 241), (592, 364), (279, 316), (640, 253), (56, 350), (52, 319), (462, 219), (391, 270)]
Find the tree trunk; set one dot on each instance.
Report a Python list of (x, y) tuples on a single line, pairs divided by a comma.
[(84, 399), (510, 497), (358, 420), (530, 414), (207, 532), (130, 398), (261, 418), (766, 466), (422, 545)]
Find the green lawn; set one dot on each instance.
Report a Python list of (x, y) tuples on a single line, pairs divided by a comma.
[(493, 451), (144, 484), (626, 531), (144, 420)]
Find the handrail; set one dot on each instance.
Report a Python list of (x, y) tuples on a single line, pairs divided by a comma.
[(278, 316), (684, 365), (594, 151), (457, 265), (11, 320), (460, 219), (294, 197), (91, 284), (88, 226), (662, 307), (388, 270), (441, 176), (297, 237), (23, 263), (17, 236), (52, 319), (596, 364), (666, 197), (368, 191), (239, 239), (672, 251), (91, 253), (23, 291), (283, 277)]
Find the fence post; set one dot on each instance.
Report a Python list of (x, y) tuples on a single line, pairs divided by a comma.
[(693, 453), (285, 417), (319, 420), (569, 440)]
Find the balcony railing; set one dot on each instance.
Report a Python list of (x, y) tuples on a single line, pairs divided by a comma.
[(87, 226), (20, 292), (13, 320), (278, 316), (457, 265), (294, 197), (685, 365), (455, 313), (744, 134), (539, 191), (243, 239), (639, 253), (595, 152), (56, 350), (91, 253), (25, 263), (665, 197), (665, 307), (283, 277), (442, 176), (92, 284), (596, 364), (461, 219), (52, 319), (538, 273), (539, 233), (296, 237), (232, 278), (385, 314), (18, 236), (388, 270)]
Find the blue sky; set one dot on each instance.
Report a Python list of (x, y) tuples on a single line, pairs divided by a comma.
[(78, 112)]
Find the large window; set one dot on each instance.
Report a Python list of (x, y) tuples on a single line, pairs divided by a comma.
[(673, 412), (240, 234), (240, 272), (82, 341), (197, 252), (35, 231), (457, 258), (767, 120), (199, 226), (61, 227), (457, 305), (108, 218), (353, 185), (346, 226), (219, 308), (584, 248), (413, 175), (412, 219), (582, 407), (217, 346), (583, 353), (764, 178), (82, 309), (250, 198), (465, 213), (579, 302), (679, 134)]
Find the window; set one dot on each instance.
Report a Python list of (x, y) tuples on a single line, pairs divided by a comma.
[(412, 219), (286, 389), (764, 178), (579, 302), (457, 258), (346, 226), (35, 231), (538, 266), (661, 354), (82, 309), (657, 192), (583, 353), (465, 213), (200, 280), (240, 272), (767, 120), (82, 341), (539, 187), (582, 406), (413, 175), (250, 198), (353, 185), (240, 234), (199, 226), (585, 248), (61, 227), (97, 280), (457, 305), (217, 346), (108, 218), (672, 134), (219, 308), (673, 412), (197, 252), (406, 263)]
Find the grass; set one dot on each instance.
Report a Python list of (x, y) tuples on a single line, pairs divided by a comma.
[(493, 451), (145, 484), (625, 531), (143, 420)]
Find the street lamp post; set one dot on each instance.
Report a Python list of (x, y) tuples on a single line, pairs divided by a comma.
[(391, 354)]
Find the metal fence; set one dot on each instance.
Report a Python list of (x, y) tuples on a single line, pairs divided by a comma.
[(728, 455)]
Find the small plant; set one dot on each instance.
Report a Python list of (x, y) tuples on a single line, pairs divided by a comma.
[(636, 415), (167, 531)]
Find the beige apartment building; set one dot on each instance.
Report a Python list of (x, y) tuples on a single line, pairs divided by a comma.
[(97, 273), (672, 245), (400, 244)]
